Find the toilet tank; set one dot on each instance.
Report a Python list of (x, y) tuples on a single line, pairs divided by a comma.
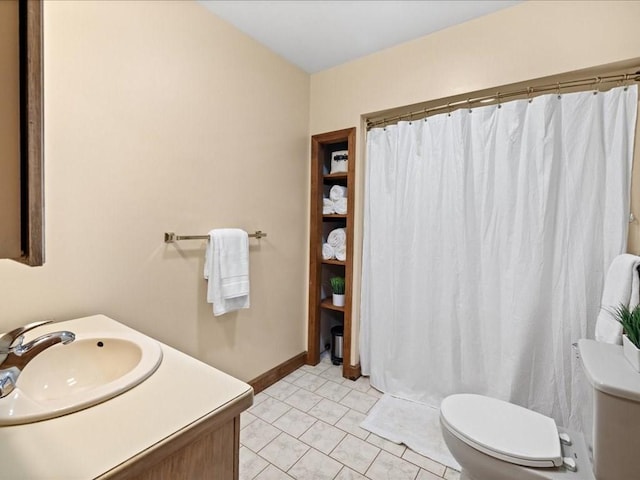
[(616, 410)]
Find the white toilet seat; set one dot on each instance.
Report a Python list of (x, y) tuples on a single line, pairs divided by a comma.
[(503, 430)]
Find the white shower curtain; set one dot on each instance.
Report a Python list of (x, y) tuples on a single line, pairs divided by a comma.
[(487, 235)]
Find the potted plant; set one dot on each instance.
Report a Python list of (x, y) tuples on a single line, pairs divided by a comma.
[(630, 320), (337, 286)]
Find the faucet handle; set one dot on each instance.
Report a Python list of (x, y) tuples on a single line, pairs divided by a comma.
[(8, 340)]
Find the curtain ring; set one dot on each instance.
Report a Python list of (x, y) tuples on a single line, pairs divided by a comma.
[(596, 82), (449, 109), (529, 93), (498, 99), (558, 90), (469, 104)]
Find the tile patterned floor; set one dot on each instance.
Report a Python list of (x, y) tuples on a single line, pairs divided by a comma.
[(306, 427)]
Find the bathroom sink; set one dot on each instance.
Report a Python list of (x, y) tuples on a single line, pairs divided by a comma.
[(63, 379)]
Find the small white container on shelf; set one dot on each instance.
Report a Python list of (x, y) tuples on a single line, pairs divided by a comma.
[(339, 161), (338, 299)]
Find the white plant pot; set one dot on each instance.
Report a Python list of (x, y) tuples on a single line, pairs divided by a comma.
[(631, 352), (338, 300)]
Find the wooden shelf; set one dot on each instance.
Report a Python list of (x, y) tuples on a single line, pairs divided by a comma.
[(328, 304), (322, 312), (334, 262), (336, 176)]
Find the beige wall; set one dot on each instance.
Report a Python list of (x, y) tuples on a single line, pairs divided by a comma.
[(528, 41), (9, 131), (159, 117)]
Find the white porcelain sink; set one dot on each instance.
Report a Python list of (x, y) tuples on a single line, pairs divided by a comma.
[(95, 367)]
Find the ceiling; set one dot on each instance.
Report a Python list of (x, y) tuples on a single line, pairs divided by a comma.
[(319, 34)]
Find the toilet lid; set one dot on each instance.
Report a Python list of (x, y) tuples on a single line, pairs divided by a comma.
[(503, 430)]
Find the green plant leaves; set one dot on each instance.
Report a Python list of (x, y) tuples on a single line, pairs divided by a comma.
[(630, 320), (337, 285)]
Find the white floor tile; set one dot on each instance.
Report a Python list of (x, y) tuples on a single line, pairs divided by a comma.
[(359, 401), (259, 397), (424, 462), (361, 384), (293, 376), (246, 418), (333, 391), (272, 473), (328, 411), (303, 400), (390, 467), (355, 453), (374, 393), (294, 422), (310, 382), (383, 443), (257, 435), (323, 437), (347, 474), (334, 373), (316, 369), (350, 422), (270, 409), (451, 474), (281, 390), (250, 464), (284, 451), (307, 427), (425, 475), (315, 465)]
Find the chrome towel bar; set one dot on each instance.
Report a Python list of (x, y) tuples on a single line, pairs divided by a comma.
[(170, 237)]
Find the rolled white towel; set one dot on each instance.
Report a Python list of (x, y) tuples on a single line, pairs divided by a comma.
[(337, 237), (328, 206), (621, 286), (341, 253), (337, 191), (327, 252), (340, 205)]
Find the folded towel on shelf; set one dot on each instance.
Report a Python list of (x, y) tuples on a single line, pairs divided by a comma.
[(337, 191), (621, 286), (327, 252), (337, 237), (340, 206), (341, 253), (327, 206), (226, 267)]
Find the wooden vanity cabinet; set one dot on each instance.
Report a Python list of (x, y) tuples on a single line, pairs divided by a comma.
[(207, 449)]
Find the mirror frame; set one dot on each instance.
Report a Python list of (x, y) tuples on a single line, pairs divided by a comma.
[(31, 132)]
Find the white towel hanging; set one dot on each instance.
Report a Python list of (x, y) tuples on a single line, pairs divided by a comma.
[(226, 267)]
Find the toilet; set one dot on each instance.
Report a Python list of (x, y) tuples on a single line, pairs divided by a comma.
[(496, 440)]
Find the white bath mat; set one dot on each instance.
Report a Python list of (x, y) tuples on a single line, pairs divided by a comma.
[(415, 424)]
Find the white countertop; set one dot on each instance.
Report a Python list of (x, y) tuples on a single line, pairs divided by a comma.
[(89, 443)]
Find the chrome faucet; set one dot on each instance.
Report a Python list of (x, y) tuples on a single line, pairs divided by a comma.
[(14, 355)]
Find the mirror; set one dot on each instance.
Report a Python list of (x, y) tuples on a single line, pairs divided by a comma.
[(21, 132)]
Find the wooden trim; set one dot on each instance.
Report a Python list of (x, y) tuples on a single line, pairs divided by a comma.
[(319, 144), (236, 451), (352, 372), (277, 373), (32, 133), (348, 304)]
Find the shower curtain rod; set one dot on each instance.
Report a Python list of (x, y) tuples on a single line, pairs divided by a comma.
[(498, 96)]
